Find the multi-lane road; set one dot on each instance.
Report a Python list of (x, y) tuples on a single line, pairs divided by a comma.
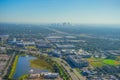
[(74, 74)]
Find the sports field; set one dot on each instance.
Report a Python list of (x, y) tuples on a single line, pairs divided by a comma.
[(99, 62)]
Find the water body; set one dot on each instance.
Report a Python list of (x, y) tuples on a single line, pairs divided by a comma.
[(23, 66)]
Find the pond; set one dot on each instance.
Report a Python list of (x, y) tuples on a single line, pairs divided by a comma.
[(23, 66)]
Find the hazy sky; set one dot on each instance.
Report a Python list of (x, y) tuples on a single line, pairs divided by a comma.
[(52, 11)]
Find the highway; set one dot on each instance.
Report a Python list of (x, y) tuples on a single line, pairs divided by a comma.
[(74, 75), (80, 77)]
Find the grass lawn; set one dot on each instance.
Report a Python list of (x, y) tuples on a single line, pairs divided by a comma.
[(41, 64), (13, 67), (23, 77), (30, 47), (94, 59), (99, 62), (95, 62), (111, 62), (118, 58)]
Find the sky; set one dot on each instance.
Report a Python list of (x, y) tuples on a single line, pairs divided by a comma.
[(58, 11)]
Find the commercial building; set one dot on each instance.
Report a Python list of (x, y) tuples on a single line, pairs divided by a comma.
[(36, 74), (4, 37), (65, 46), (43, 45), (83, 53), (77, 61), (56, 53), (50, 75)]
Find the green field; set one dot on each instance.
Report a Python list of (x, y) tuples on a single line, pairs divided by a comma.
[(118, 58), (99, 62), (13, 67), (23, 77), (41, 64), (111, 62)]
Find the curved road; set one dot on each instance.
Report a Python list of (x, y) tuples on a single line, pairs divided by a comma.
[(74, 75)]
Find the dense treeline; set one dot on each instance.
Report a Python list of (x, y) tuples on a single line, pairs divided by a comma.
[(95, 44), (62, 72), (110, 31), (23, 29)]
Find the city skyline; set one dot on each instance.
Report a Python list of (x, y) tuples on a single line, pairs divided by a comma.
[(58, 11)]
